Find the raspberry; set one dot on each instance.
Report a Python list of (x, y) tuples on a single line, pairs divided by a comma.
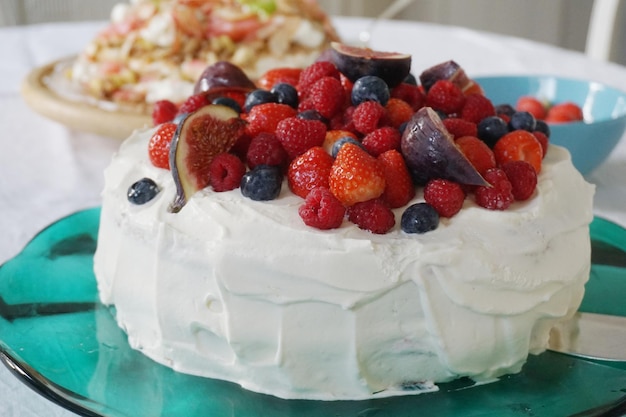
[(499, 195), (279, 75), (322, 210), (327, 96), (523, 178), (225, 172), (543, 141), (367, 116), (445, 96), (476, 108), (381, 140), (266, 149), (519, 145), (531, 105), (445, 196), (163, 111), (410, 94), (564, 113), (398, 112), (399, 188), (314, 72), (309, 170), (192, 104), (159, 145), (298, 135), (372, 215), (344, 121), (477, 152), (458, 127), (265, 117)]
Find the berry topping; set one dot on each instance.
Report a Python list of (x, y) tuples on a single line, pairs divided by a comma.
[(419, 218), (477, 152), (531, 105), (356, 176), (476, 108), (522, 120), (543, 140), (399, 188), (159, 145), (410, 94), (523, 179), (367, 116), (322, 210), (314, 72), (279, 75), (445, 196), (499, 195), (342, 141), (309, 170), (564, 113), (332, 136), (192, 104), (491, 129), (445, 96), (372, 215), (266, 149), (259, 96), (286, 94), (370, 88), (519, 145), (382, 140), (398, 112), (327, 97), (163, 111), (225, 172), (142, 191), (265, 117), (263, 183), (543, 127), (298, 135), (458, 127)]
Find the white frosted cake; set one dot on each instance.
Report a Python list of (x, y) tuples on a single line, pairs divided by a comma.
[(243, 290)]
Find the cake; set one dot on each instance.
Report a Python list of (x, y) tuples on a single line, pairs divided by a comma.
[(238, 288), (156, 49)]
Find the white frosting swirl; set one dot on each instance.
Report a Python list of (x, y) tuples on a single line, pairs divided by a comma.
[(241, 290)]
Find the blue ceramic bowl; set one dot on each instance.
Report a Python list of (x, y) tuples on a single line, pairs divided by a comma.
[(604, 109)]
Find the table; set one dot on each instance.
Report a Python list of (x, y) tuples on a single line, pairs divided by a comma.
[(48, 171)]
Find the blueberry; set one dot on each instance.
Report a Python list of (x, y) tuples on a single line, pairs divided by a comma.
[(522, 120), (229, 102), (262, 183), (142, 191), (505, 109), (256, 97), (286, 94), (312, 114), (370, 87), (410, 79), (342, 141), (543, 127), (492, 128), (419, 218)]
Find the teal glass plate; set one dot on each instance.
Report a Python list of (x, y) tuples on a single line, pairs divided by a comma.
[(57, 338)]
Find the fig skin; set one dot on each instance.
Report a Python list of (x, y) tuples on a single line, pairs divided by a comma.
[(355, 62), (448, 70), (430, 152), (223, 76), (199, 137)]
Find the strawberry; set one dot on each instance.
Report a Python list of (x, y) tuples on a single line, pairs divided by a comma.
[(333, 136), (478, 153), (398, 112), (399, 188), (279, 75), (564, 113), (532, 105), (322, 210), (265, 117), (298, 135), (522, 177), (519, 145), (192, 104), (356, 176), (163, 111), (309, 170), (159, 145)]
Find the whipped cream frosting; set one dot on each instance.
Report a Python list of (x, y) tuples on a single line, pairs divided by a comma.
[(243, 291)]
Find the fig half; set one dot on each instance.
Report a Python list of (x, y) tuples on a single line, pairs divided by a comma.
[(223, 76), (430, 152), (355, 62), (201, 136), (450, 71)]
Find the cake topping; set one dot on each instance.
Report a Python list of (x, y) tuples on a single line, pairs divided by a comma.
[(142, 191), (366, 143)]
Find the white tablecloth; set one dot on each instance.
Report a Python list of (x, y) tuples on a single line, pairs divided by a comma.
[(48, 171)]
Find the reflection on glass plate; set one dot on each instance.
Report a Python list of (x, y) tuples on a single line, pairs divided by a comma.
[(57, 338)]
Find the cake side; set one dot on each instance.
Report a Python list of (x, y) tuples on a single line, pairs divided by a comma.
[(242, 290)]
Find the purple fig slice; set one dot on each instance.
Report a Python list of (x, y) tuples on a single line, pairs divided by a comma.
[(448, 70), (355, 62), (201, 136), (223, 75), (430, 152)]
